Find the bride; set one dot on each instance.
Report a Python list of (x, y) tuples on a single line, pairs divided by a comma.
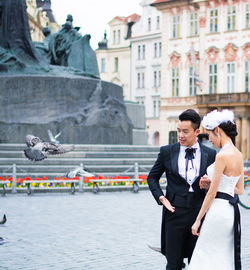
[(218, 245)]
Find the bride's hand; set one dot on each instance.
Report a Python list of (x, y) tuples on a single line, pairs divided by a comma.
[(205, 182), (195, 228), (166, 203)]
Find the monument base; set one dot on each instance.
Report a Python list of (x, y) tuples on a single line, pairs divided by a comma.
[(83, 109)]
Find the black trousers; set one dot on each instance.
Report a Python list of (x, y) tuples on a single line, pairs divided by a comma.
[(180, 241)]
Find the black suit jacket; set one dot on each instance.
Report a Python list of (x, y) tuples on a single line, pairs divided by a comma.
[(177, 187)]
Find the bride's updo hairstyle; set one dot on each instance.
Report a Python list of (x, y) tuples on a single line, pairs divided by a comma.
[(230, 130), (223, 120)]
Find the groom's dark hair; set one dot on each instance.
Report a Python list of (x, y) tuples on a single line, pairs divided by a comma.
[(191, 115)]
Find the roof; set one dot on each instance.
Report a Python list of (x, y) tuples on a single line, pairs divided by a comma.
[(161, 2), (46, 6), (131, 18)]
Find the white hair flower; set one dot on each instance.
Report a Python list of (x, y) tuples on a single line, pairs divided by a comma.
[(215, 118)]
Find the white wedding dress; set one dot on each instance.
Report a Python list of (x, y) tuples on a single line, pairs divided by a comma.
[(214, 248)]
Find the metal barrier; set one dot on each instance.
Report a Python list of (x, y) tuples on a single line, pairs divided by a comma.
[(95, 182)]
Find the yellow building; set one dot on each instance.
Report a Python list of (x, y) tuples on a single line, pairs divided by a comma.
[(40, 15)]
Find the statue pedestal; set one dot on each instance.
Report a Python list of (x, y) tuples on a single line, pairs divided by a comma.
[(85, 110)]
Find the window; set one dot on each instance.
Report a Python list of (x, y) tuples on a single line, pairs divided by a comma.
[(116, 64), (140, 100), (155, 78), (149, 24), (247, 15), (192, 85), (114, 37), (247, 76), (143, 80), (176, 26), (213, 20), (140, 80), (143, 51), (212, 78), (231, 18), (103, 65), (156, 107), (155, 50), (194, 24), (139, 52), (159, 78), (172, 137), (158, 22), (230, 77), (119, 36), (175, 82)]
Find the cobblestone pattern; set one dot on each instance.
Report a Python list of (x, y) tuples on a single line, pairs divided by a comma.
[(87, 231)]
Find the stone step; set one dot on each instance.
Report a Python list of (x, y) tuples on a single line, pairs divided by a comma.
[(77, 161), (81, 154), (92, 148)]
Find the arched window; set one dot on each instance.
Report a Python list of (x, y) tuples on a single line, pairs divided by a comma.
[(156, 138)]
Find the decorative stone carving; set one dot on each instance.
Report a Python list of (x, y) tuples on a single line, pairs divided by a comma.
[(230, 52), (246, 49), (175, 59), (212, 54)]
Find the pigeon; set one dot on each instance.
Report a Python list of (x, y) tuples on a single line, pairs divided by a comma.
[(3, 220), (78, 171), (38, 150), (53, 138)]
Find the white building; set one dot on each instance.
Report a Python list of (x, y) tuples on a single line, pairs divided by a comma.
[(113, 55), (146, 67)]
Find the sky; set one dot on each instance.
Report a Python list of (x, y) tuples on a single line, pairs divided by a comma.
[(93, 15)]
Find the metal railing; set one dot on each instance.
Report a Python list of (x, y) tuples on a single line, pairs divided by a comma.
[(135, 180)]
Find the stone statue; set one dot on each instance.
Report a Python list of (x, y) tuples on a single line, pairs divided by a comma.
[(43, 47), (14, 32), (20, 54), (68, 48)]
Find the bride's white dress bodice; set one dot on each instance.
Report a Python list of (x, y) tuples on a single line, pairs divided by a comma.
[(227, 183)]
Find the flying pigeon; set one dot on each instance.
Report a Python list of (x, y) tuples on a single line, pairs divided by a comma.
[(38, 150), (78, 171), (53, 138)]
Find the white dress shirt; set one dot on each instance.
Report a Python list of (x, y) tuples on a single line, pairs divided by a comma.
[(193, 166)]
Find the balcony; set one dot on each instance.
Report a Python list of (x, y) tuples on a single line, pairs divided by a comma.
[(228, 99)]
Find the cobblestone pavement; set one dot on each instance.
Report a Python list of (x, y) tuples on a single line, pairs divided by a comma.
[(109, 230)]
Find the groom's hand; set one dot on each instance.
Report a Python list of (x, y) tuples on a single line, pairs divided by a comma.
[(166, 203), (205, 182)]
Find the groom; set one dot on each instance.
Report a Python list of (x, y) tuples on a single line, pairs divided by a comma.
[(184, 164)]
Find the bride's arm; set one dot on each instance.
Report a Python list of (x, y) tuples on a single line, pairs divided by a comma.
[(239, 188), (219, 167)]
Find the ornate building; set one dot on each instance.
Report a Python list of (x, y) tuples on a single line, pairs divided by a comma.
[(40, 15), (205, 62)]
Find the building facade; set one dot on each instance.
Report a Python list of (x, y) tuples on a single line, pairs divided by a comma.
[(205, 62), (113, 55), (145, 85), (40, 15)]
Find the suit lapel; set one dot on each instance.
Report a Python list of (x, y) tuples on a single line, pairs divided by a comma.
[(204, 156), (174, 157)]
